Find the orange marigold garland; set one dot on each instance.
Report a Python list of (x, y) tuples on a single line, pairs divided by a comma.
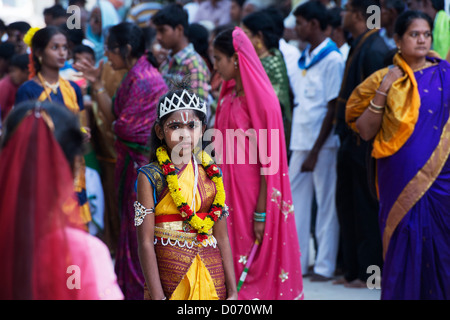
[(203, 226)]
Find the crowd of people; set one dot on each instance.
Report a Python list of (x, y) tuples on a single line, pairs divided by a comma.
[(104, 163)]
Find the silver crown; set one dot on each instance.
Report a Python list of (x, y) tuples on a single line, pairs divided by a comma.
[(176, 103)]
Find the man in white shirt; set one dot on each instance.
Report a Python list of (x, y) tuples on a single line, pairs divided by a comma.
[(314, 147)]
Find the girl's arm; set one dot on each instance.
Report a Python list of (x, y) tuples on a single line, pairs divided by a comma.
[(145, 235), (258, 227), (221, 234)]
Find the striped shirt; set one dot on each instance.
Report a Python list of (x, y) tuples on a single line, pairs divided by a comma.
[(142, 13), (184, 62)]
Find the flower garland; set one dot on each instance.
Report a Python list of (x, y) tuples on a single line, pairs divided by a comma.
[(203, 226)]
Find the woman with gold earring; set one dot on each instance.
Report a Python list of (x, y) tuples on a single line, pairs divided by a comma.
[(49, 52), (260, 29), (404, 111)]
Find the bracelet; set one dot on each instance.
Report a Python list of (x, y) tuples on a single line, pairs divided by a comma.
[(371, 108), (381, 92), (259, 217), (98, 91), (375, 106)]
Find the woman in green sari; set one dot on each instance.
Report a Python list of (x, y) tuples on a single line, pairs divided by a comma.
[(261, 31)]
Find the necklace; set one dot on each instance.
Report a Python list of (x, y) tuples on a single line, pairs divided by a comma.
[(426, 65), (203, 226), (54, 87)]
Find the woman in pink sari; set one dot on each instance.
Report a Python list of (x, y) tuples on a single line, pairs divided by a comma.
[(255, 172)]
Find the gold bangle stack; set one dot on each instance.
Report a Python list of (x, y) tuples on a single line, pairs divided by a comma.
[(376, 109)]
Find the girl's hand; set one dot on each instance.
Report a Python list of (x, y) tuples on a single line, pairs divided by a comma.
[(232, 296), (258, 229)]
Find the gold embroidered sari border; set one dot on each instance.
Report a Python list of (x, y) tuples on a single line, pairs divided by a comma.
[(416, 188)]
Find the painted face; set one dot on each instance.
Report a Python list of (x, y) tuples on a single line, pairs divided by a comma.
[(181, 131), (56, 51), (416, 42), (226, 66)]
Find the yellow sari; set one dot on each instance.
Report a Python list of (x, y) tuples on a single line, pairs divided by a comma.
[(188, 270)]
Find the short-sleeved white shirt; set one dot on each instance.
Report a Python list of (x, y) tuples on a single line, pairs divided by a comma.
[(312, 92)]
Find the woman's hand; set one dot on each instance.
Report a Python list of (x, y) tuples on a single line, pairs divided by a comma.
[(90, 72), (258, 229), (392, 75), (310, 162)]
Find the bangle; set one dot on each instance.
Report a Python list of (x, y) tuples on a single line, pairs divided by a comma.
[(98, 91), (375, 106), (259, 216), (381, 92), (375, 110)]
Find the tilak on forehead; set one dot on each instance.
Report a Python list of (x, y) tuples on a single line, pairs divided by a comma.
[(180, 102), (183, 118)]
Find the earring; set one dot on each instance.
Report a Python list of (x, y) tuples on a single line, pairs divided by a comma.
[(235, 65), (40, 60), (399, 50)]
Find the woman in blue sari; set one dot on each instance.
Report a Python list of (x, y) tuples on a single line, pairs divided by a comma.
[(405, 110), (49, 51)]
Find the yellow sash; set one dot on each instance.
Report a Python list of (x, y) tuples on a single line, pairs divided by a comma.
[(70, 101), (402, 111)]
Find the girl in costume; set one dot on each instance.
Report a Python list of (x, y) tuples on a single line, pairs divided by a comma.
[(49, 52), (180, 210), (404, 110), (260, 200)]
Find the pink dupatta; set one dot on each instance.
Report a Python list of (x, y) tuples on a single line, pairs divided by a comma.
[(275, 272)]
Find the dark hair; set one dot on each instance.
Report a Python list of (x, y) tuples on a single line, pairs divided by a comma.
[(406, 18), (240, 3), (334, 17), (362, 5), (40, 40), (7, 50), (438, 5), (260, 21), (198, 36), (177, 88), (20, 26), (398, 5), (127, 33), (149, 36), (83, 49), (277, 17), (20, 61), (224, 42), (313, 10), (75, 36), (172, 15), (56, 11), (67, 127), (2, 26)]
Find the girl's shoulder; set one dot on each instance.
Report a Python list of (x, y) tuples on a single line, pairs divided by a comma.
[(151, 168), (155, 176)]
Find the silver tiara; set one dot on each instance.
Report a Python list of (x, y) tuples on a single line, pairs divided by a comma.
[(176, 103)]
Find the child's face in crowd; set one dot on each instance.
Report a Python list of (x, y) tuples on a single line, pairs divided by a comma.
[(84, 56), (181, 131), (17, 75)]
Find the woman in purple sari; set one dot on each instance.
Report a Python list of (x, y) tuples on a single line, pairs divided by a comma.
[(132, 112), (405, 109)]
